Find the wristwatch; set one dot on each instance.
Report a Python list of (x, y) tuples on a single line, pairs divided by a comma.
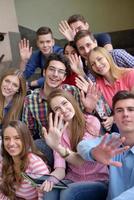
[(66, 153)]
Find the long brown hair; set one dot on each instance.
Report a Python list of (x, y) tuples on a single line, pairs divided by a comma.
[(78, 123), (18, 99), (116, 71), (11, 177)]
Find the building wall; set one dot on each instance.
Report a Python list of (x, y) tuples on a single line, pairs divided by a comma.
[(9, 26), (103, 15)]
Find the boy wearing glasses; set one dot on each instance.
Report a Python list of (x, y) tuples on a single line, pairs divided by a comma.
[(35, 106), (35, 110)]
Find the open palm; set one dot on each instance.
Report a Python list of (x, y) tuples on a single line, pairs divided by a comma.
[(56, 128)]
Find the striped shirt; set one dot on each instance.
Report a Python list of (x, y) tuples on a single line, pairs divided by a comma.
[(36, 167)]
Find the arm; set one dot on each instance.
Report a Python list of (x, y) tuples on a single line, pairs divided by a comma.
[(39, 82), (70, 156), (127, 195), (109, 47), (122, 58), (33, 63), (104, 40), (53, 139), (25, 53), (59, 173), (92, 126), (104, 151)]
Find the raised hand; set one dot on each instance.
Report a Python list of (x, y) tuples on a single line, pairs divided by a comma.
[(106, 150), (76, 64), (66, 31), (56, 128), (90, 99), (25, 50), (82, 83)]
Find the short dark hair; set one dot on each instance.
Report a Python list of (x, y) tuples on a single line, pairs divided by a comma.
[(76, 18), (43, 31), (70, 43), (60, 58), (121, 95), (83, 33)]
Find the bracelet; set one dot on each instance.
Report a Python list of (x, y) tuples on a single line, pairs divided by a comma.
[(66, 153)]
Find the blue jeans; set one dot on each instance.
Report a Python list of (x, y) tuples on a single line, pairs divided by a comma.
[(46, 150), (79, 191)]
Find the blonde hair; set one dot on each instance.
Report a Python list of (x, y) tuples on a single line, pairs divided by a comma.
[(78, 122), (18, 99), (116, 71)]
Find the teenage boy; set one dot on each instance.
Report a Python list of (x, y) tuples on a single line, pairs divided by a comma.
[(35, 106), (85, 42), (31, 61), (111, 151), (35, 110), (76, 23)]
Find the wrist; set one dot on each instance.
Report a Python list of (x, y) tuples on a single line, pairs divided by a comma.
[(93, 154), (64, 152), (89, 111), (24, 60)]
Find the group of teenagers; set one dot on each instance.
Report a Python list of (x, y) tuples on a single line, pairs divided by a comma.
[(77, 125)]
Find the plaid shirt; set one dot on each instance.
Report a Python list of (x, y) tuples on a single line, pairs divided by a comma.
[(35, 110), (122, 58)]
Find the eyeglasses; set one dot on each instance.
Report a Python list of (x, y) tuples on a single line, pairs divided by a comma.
[(61, 72)]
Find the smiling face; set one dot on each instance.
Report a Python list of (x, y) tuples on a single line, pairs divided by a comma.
[(45, 43), (63, 106), (99, 63), (124, 116), (10, 86), (55, 74), (69, 50), (85, 45), (12, 142)]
